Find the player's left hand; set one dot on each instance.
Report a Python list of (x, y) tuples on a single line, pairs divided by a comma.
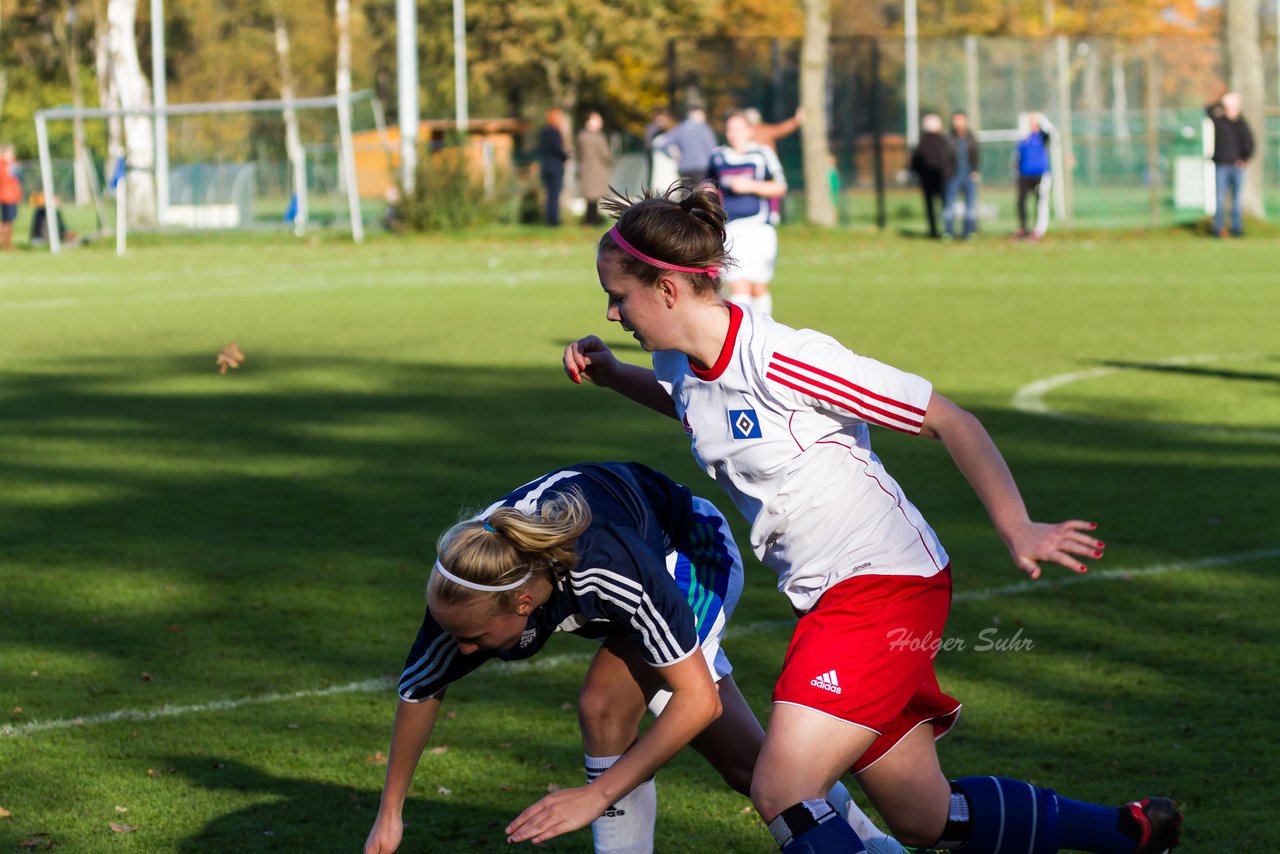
[(1064, 543), (559, 812), (740, 185)]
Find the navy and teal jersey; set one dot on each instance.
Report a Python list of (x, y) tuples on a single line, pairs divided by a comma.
[(655, 565)]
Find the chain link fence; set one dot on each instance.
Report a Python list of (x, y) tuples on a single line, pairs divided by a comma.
[(1128, 114)]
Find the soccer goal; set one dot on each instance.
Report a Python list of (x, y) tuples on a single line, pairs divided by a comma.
[(230, 165)]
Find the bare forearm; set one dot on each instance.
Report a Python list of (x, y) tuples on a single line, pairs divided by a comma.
[(640, 384), (413, 725), (980, 461)]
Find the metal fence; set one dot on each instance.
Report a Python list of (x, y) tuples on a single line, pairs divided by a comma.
[(1129, 114)]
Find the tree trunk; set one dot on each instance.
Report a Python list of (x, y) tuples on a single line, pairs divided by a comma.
[(65, 37), (133, 92), (1244, 53), (342, 14), (1120, 105), (815, 61), (292, 139), (107, 95)]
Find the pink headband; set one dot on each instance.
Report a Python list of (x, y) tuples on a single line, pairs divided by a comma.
[(713, 272)]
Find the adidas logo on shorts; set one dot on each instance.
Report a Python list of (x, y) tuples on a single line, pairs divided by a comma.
[(827, 682)]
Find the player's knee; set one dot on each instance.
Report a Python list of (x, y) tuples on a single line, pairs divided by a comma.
[(770, 800), (603, 718)]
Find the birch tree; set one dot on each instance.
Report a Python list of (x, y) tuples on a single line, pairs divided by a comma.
[(292, 139), (132, 91)]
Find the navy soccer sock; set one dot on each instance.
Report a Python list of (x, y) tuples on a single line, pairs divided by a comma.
[(994, 815), (814, 827)]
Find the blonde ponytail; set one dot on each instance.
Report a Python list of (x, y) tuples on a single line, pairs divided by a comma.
[(509, 546)]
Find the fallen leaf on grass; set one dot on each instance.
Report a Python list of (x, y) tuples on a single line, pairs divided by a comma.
[(122, 809), (440, 751), (229, 357), (37, 840), (146, 677), (4, 813), (441, 790), (121, 828), (17, 710), (376, 759)]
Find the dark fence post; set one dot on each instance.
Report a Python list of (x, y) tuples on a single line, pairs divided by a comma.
[(877, 131)]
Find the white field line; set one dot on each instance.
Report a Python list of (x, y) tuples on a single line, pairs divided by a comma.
[(1030, 399), (554, 662)]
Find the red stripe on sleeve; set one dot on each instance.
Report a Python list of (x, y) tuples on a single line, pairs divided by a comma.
[(915, 423), (870, 419), (857, 388)]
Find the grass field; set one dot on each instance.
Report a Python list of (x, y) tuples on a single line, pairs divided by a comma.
[(205, 580)]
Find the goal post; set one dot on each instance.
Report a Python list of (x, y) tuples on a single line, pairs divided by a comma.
[(338, 154)]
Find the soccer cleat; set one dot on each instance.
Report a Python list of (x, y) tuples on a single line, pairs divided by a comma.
[(1159, 823)]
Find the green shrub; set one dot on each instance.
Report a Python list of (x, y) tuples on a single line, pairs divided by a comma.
[(449, 194)]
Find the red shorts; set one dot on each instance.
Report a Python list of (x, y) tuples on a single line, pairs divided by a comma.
[(865, 654)]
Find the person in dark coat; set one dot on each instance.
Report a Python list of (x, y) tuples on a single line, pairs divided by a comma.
[(551, 158), (1232, 148), (931, 162)]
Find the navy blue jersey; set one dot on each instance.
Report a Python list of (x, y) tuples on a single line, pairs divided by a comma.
[(623, 582)]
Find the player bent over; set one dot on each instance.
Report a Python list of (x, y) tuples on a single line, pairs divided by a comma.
[(614, 551)]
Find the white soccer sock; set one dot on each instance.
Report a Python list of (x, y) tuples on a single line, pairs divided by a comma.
[(866, 829), (627, 826), (764, 304)]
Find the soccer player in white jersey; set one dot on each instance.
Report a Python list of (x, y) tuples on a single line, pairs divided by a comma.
[(616, 552), (781, 419), (751, 181)]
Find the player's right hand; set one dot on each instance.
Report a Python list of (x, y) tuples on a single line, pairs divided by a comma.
[(385, 835), (588, 357)]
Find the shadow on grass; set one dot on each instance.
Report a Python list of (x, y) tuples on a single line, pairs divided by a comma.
[(293, 509), (305, 815)]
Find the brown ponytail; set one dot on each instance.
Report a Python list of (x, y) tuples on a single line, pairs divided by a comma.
[(682, 226)]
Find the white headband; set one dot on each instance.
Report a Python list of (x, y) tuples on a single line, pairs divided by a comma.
[(487, 588)]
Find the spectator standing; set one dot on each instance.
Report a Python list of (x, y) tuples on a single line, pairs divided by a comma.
[(1031, 161), (691, 143), (1232, 148), (595, 166), (10, 195), (965, 175), (931, 162), (551, 158), (768, 134)]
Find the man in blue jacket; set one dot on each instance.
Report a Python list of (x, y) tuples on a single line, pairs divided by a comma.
[(1031, 159)]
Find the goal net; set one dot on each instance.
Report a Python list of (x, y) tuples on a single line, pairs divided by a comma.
[(222, 166)]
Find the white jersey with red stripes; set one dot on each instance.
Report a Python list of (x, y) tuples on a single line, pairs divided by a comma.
[(781, 423)]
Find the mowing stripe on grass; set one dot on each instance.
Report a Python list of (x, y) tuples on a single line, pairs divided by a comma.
[(553, 662), (412, 279)]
